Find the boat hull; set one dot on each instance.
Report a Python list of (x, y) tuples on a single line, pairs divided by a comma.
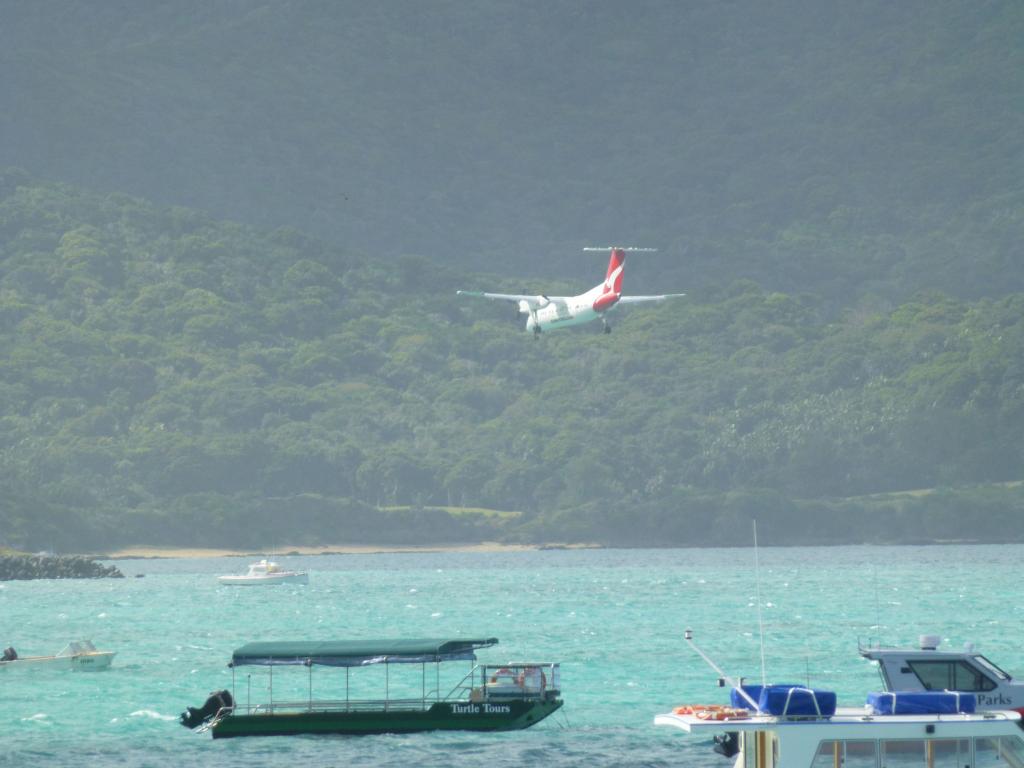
[(81, 662), (441, 716), (260, 581)]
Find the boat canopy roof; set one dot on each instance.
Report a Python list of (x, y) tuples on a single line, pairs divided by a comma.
[(356, 653)]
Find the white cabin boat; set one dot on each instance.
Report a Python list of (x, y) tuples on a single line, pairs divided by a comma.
[(929, 668), (266, 572), (860, 737), (789, 726), (77, 656)]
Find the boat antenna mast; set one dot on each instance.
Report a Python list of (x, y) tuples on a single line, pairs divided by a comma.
[(878, 612), (688, 637), (760, 619)]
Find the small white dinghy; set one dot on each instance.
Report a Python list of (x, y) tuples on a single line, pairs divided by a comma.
[(266, 572), (76, 656)]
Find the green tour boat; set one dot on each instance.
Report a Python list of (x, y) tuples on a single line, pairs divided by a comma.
[(487, 697)]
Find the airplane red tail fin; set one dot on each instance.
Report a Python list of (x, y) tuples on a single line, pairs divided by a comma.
[(613, 278)]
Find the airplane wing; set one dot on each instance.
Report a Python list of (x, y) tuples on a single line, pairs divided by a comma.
[(641, 299), (503, 296), (533, 301)]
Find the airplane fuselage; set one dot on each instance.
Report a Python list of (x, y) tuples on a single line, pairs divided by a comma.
[(574, 310)]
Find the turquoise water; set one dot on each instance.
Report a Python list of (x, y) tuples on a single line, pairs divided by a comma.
[(614, 618)]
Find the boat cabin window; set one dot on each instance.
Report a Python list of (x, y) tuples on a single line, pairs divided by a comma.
[(933, 753), (950, 676), (948, 753), (760, 749), (900, 753), (845, 754), (991, 668), (1004, 752)]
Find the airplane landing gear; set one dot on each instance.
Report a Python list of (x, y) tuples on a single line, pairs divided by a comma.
[(607, 328)]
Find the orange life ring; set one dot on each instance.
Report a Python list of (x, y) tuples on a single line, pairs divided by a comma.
[(694, 709), (503, 672), (711, 711), (723, 713)]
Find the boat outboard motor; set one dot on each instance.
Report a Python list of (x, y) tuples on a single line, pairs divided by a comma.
[(10, 654), (727, 744), (193, 717)]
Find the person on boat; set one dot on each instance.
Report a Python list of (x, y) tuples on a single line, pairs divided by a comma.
[(10, 654)]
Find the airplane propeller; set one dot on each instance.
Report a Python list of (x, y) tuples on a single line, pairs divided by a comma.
[(519, 309)]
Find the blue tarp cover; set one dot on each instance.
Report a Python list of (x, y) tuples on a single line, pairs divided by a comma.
[(921, 703), (754, 692), (790, 701), (736, 700)]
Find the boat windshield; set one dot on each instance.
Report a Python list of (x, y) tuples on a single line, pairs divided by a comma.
[(77, 647), (990, 667)]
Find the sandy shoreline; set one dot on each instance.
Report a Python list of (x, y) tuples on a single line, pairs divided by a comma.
[(341, 549)]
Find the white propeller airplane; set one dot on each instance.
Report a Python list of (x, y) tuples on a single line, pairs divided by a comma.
[(550, 312)]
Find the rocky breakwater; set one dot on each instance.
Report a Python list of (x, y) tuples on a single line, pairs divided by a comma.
[(14, 567)]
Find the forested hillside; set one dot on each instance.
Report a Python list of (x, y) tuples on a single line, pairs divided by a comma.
[(858, 151), (170, 378)]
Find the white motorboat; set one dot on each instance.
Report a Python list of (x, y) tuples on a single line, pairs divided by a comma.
[(266, 572), (789, 726), (78, 656), (857, 737), (929, 668)]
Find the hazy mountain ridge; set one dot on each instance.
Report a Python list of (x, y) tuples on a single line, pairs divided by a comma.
[(179, 380), (857, 151)]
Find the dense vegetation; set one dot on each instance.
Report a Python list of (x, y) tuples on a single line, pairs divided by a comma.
[(20, 566), (169, 378), (868, 149)]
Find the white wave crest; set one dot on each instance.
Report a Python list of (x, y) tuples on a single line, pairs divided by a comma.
[(152, 715)]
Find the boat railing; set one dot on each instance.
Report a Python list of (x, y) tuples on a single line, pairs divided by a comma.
[(870, 643), (220, 715), (521, 680), (513, 679), (340, 705), (537, 681), (462, 689)]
